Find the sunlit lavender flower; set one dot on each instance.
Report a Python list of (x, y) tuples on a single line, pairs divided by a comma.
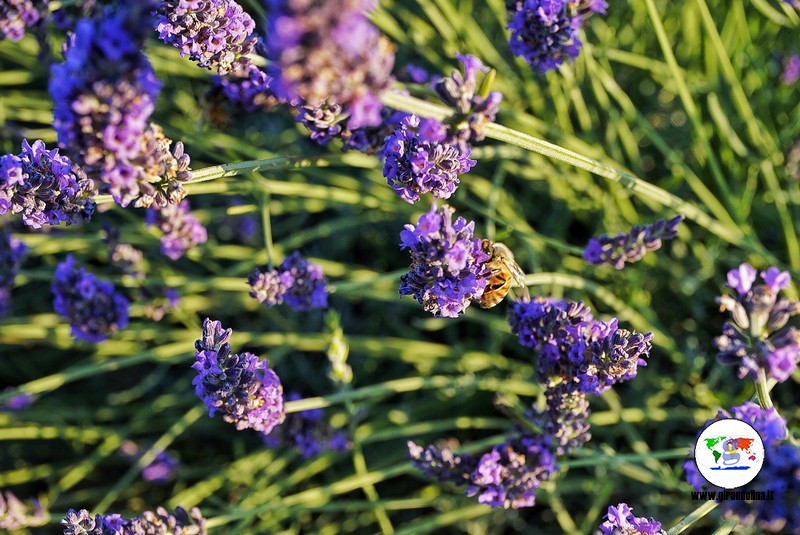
[(159, 471), (418, 160), (473, 110), (241, 387), (299, 283), (104, 93), (545, 32), (182, 231), (329, 121), (447, 263), (326, 51), (791, 69), (757, 337), (15, 515), (179, 522), (630, 247), (44, 186), (508, 475), (17, 15), (620, 521), (93, 308), (441, 463), (308, 431), (217, 34)]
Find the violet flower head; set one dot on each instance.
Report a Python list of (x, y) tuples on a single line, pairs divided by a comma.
[(104, 93), (309, 432), (791, 69), (565, 422), (757, 336), (249, 88), (182, 231), (298, 283), (82, 523), (16, 515), (418, 160), (241, 387), (545, 32), (217, 34), (93, 308), (329, 51), (448, 265), (18, 15), (473, 110), (509, 475), (160, 521), (442, 464), (632, 246), (328, 121), (620, 521), (45, 187)]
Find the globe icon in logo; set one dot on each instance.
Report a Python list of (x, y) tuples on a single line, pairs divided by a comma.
[(729, 453)]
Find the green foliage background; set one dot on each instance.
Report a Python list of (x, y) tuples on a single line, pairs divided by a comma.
[(684, 95)]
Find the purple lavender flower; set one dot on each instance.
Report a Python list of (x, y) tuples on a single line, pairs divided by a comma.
[(308, 431), (545, 32), (473, 110), (630, 247), (182, 231), (325, 51), (17, 15), (442, 464), (12, 254), (419, 161), (160, 471), (508, 475), (447, 263), (104, 94), (620, 521), (16, 403), (179, 522), (791, 69), (299, 283), (329, 121), (565, 422), (15, 515), (249, 88), (757, 337), (241, 387), (44, 186), (217, 34), (92, 307)]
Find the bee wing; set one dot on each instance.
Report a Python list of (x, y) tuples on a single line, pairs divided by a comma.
[(516, 273)]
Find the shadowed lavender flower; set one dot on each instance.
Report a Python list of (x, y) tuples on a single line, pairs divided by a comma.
[(217, 34), (16, 403), (509, 474), (15, 515), (182, 231), (565, 422), (328, 51), (160, 471), (296, 282), (447, 263), (12, 254), (630, 247), (92, 307), (473, 110), (545, 32), (329, 121), (442, 463), (249, 88), (758, 338), (240, 387), (793, 3), (17, 15), (45, 187), (179, 522), (791, 69), (104, 93), (620, 521), (418, 160), (309, 432)]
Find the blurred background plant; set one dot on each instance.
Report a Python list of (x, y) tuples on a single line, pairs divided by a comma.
[(690, 97)]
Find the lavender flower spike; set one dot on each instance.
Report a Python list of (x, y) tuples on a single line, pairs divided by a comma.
[(179, 522), (419, 160), (447, 263), (45, 187), (620, 521), (630, 247), (17, 15), (182, 231), (299, 283), (240, 387), (94, 310), (15, 515)]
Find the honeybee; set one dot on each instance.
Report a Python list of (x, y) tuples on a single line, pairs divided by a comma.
[(504, 274)]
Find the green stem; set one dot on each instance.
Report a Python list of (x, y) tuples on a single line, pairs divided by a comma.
[(762, 390), (266, 198), (693, 517)]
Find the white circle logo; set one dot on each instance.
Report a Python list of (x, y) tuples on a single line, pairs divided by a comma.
[(729, 453)]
